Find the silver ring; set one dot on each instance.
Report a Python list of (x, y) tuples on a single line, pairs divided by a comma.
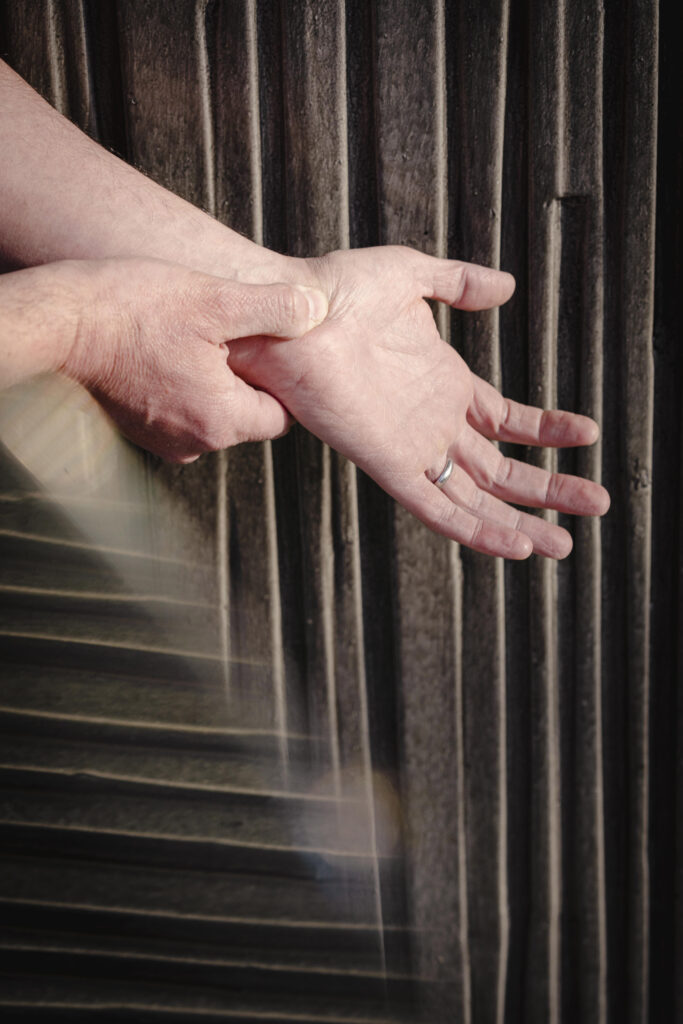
[(445, 473)]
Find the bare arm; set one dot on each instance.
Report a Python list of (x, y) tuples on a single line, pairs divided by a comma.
[(150, 340), (374, 380), (65, 197)]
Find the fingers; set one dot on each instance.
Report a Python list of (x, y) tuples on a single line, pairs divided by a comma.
[(504, 420), (276, 310), (547, 539), (465, 285), (239, 413), (524, 484), (436, 510), (256, 415)]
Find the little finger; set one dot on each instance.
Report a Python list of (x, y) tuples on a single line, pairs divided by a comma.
[(547, 538), (427, 502)]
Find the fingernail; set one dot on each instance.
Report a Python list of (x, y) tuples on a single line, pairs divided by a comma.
[(592, 431), (317, 304), (603, 502)]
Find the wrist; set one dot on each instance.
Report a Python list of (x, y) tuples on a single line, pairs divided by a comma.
[(40, 312), (89, 282), (224, 253)]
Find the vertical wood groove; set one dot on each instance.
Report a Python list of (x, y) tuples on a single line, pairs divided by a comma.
[(221, 460), (255, 162), (525, 719), (504, 907), (547, 109), (639, 168), (463, 945), (205, 106), (581, 343), (55, 58), (477, 166)]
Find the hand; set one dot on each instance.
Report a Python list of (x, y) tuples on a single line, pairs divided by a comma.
[(152, 347), (376, 381)]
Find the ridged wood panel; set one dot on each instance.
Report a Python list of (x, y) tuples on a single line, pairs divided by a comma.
[(475, 180), (411, 194), (526, 715), (232, 103)]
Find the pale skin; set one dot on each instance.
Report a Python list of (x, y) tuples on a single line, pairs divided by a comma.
[(149, 340), (195, 353)]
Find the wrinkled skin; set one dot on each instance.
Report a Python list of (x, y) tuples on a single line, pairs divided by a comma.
[(376, 382), (152, 344), (373, 380)]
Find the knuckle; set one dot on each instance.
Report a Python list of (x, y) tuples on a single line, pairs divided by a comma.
[(217, 293), (445, 520), (553, 487), (289, 306), (461, 278), (410, 259), (456, 523), (474, 500), (475, 533), (219, 303), (220, 437), (503, 471), (210, 433), (209, 441)]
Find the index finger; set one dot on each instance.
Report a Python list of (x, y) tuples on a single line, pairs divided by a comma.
[(501, 419)]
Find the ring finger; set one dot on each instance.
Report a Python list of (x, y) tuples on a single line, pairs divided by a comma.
[(547, 539)]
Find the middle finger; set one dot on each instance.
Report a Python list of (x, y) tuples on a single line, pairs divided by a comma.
[(547, 538), (524, 484)]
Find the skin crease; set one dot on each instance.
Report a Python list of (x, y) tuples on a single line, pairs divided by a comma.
[(181, 375), (150, 341), (403, 401)]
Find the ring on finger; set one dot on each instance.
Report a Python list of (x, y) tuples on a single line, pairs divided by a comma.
[(445, 473)]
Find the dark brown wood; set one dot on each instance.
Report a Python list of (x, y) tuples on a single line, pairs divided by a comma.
[(476, 174), (410, 123), (636, 322), (179, 646), (580, 385), (546, 48)]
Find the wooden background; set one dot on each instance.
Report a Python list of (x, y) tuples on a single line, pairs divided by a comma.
[(272, 751)]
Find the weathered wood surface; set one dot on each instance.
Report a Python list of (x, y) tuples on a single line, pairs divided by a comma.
[(225, 687)]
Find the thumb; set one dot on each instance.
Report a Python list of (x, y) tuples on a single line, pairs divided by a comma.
[(276, 310), (468, 285)]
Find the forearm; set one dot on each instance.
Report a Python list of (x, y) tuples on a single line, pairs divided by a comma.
[(65, 197), (40, 312)]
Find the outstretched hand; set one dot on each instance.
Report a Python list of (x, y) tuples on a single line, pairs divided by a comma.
[(376, 381)]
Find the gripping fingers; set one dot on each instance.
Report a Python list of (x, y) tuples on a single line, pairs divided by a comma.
[(525, 484), (434, 508), (260, 416)]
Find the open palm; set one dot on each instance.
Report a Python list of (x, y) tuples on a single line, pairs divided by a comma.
[(376, 381)]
